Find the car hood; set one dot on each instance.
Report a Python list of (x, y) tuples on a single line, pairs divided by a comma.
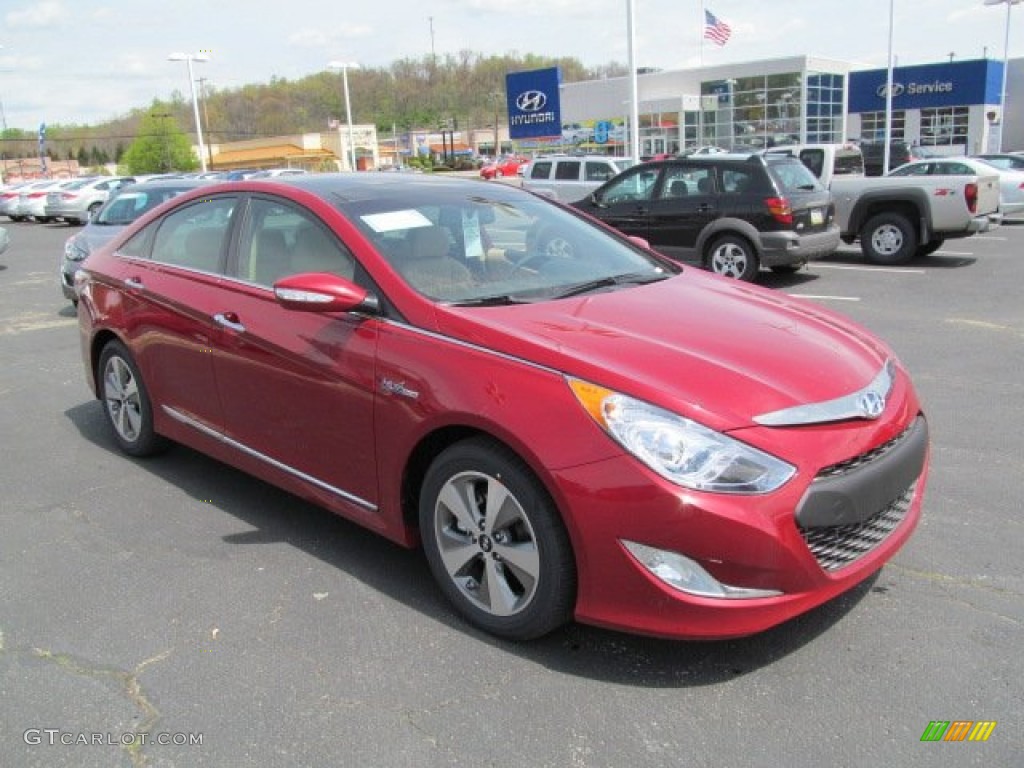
[(715, 350), (95, 236)]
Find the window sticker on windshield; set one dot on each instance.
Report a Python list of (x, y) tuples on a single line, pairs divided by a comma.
[(471, 235), (393, 220)]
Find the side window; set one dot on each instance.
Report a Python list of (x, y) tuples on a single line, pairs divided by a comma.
[(138, 246), (540, 170), (702, 181), (280, 240), (638, 185), (954, 169), (814, 159), (195, 236), (676, 182), (598, 170), (568, 170), (737, 181)]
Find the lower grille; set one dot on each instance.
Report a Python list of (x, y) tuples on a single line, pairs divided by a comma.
[(835, 547)]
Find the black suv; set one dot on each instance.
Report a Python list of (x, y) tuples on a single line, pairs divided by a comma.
[(732, 213)]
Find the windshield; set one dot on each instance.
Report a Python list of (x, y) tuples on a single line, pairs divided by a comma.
[(133, 201), (458, 246)]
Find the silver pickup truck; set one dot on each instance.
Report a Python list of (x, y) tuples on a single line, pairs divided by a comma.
[(897, 218)]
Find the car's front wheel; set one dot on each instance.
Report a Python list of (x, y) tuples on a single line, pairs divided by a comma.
[(930, 247), (888, 238), (733, 256), (126, 402), (495, 542)]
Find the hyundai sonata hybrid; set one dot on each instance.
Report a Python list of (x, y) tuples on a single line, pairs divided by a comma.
[(566, 432)]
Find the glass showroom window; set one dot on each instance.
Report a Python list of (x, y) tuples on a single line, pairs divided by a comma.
[(824, 108), (944, 125)]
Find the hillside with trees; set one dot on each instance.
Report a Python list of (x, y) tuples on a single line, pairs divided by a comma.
[(410, 93)]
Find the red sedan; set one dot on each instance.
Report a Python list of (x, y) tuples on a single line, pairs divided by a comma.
[(567, 423), (505, 166)]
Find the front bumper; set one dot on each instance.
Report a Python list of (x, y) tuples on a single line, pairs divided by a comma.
[(749, 542), (780, 248)]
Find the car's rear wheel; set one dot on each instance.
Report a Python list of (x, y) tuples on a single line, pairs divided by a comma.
[(888, 238), (495, 542), (126, 402), (90, 213), (733, 256)]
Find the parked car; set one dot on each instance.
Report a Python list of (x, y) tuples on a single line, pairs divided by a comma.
[(9, 200), (1011, 183), (32, 200), (270, 173), (506, 166), (77, 201), (732, 214), (571, 177), (125, 205), (900, 152), (1007, 161), (564, 436)]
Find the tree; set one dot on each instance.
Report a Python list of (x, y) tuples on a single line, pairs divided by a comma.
[(160, 145)]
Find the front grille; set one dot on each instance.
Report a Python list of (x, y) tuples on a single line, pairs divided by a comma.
[(837, 546), (865, 458)]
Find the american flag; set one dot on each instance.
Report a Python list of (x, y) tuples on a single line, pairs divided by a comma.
[(715, 29)]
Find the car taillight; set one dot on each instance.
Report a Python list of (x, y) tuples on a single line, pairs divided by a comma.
[(971, 196), (780, 209), (37, 194)]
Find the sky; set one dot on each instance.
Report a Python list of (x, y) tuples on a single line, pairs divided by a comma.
[(85, 61)]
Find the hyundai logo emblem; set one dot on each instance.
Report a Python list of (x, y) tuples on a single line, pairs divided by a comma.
[(897, 90), (531, 101), (871, 405)]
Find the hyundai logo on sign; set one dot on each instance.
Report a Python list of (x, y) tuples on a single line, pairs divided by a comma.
[(897, 90), (531, 101), (533, 109)]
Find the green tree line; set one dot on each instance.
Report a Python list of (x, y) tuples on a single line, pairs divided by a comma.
[(411, 93)]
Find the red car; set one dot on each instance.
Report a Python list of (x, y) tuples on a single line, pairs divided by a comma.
[(505, 166), (565, 436)]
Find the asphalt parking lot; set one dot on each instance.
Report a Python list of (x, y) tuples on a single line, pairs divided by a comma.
[(177, 600)]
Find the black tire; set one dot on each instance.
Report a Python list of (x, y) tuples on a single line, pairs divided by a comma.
[(786, 269), (126, 402), (888, 238), (930, 247), (90, 213), (507, 568), (732, 256)]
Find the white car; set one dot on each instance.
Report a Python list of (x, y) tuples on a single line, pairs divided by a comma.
[(32, 200), (1011, 183)]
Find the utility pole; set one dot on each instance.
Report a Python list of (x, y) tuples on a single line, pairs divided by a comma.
[(206, 119)]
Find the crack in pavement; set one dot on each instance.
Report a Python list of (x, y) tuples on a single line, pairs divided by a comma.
[(946, 580), (127, 683)]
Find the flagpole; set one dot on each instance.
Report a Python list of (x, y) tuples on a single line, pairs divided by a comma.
[(634, 106), (700, 29)]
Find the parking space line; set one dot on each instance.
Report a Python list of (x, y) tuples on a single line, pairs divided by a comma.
[(990, 237), (984, 325), (868, 269), (822, 297)]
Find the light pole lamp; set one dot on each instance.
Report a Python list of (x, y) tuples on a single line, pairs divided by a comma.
[(1006, 64), (345, 66), (189, 58)]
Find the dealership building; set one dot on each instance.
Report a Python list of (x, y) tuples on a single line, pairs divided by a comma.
[(956, 106)]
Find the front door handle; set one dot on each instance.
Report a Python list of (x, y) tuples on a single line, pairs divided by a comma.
[(134, 283), (229, 320)]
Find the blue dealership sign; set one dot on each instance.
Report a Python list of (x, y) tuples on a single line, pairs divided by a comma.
[(533, 108), (951, 84)]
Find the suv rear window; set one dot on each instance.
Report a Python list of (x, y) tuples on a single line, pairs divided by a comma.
[(792, 176)]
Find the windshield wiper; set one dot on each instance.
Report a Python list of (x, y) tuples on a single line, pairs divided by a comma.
[(499, 300), (633, 278)]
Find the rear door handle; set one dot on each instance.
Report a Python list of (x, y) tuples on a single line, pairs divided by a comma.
[(229, 320), (134, 282)]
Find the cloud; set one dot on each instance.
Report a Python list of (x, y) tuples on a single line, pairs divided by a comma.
[(46, 14), (326, 38)]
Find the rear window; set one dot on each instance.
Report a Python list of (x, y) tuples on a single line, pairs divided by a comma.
[(793, 176)]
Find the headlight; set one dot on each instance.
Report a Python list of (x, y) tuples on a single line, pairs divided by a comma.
[(680, 450), (74, 250)]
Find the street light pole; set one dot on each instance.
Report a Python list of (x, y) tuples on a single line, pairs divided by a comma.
[(344, 67), (189, 58), (1006, 64)]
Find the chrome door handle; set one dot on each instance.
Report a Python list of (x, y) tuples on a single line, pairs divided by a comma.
[(134, 282), (229, 320)]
